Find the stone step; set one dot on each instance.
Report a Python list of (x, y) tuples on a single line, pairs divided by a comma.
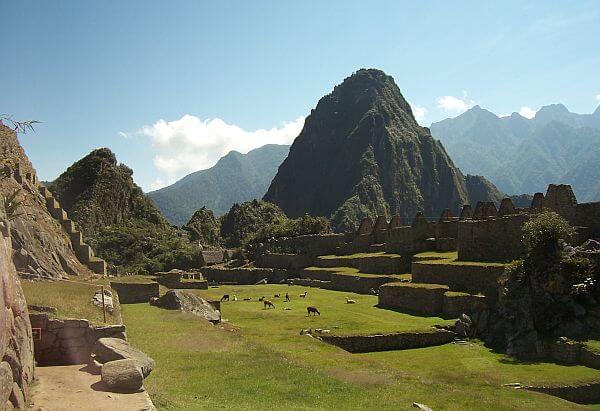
[(76, 238), (84, 253), (69, 226)]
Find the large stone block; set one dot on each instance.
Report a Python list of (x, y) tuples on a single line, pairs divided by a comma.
[(111, 349), (417, 298), (122, 375)]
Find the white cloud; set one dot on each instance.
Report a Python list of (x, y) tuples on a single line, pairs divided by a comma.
[(190, 143), (124, 135), (420, 113), (598, 98), (455, 105), (527, 112)]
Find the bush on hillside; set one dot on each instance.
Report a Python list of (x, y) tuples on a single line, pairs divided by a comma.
[(141, 247), (245, 219)]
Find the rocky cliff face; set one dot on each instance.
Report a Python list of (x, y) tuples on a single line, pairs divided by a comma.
[(361, 153), (42, 249), (97, 192), (16, 343)]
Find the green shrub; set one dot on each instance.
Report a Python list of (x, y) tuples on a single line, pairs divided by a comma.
[(543, 232)]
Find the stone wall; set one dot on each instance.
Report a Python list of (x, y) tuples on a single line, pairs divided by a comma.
[(244, 276), (284, 261), (131, 293), (387, 342), (426, 299), (16, 343), (588, 215), (175, 279), (471, 278), (67, 341), (455, 304), (494, 239), (357, 284)]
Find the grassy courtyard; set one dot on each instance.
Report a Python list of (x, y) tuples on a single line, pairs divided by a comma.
[(258, 359)]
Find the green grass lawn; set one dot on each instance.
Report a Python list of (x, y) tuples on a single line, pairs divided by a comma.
[(258, 360), (71, 299)]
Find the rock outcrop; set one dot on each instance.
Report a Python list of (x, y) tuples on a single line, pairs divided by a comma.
[(16, 342), (362, 154), (180, 300), (42, 247)]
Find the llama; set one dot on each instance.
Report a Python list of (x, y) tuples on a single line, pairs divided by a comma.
[(349, 301), (225, 297), (234, 297), (268, 304), (276, 296), (313, 310), (303, 295), (287, 297)]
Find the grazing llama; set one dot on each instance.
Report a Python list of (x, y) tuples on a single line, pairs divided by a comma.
[(313, 310), (225, 297), (349, 301), (303, 295), (268, 304)]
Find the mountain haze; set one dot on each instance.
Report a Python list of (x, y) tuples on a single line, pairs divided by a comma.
[(361, 153), (234, 179), (523, 155)]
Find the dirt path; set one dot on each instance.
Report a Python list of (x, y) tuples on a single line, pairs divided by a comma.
[(71, 387)]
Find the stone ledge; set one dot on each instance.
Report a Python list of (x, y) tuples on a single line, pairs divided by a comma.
[(391, 341)]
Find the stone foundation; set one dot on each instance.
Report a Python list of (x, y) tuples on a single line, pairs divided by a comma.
[(67, 341), (175, 279), (585, 393), (388, 342)]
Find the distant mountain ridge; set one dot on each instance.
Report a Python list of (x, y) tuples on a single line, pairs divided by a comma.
[(234, 179), (362, 154), (523, 155)]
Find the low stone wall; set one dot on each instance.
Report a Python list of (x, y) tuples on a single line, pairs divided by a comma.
[(588, 215), (245, 276), (455, 304), (496, 239), (284, 261), (175, 280), (131, 293), (424, 299), (470, 278), (384, 265), (585, 393), (67, 341), (337, 262), (388, 342), (316, 274), (307, 282), (589, 358)]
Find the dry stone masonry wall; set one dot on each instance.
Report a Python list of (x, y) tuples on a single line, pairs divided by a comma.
[(16, 343)]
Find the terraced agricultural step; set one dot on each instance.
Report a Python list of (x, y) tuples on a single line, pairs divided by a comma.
[(373, 263), (467, 277), (427, 299), (97, 265)]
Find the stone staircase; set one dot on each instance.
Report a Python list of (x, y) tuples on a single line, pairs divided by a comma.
[(442, 288), (83, 251)]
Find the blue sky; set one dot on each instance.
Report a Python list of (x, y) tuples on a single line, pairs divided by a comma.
[(227, 75)]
